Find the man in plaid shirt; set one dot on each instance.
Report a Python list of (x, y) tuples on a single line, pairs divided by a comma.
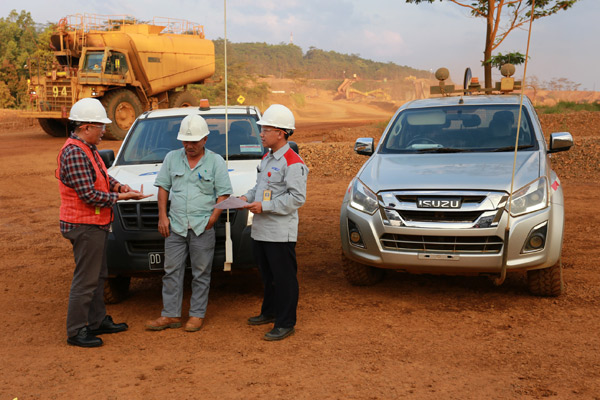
[(87, 195)]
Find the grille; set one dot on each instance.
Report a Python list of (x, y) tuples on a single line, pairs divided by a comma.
[(138, 246), (465, 199), (442, 244), (144, 215), (58, 94), (440, 216)]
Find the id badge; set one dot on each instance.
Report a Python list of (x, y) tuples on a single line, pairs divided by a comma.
[(97, 210), (267, 195)]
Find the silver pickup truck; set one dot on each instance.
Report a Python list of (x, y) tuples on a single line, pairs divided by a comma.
[(437, 194)]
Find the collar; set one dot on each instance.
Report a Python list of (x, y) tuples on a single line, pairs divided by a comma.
[(279, 153), (91, 146)]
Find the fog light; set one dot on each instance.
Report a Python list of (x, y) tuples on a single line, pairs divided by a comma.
[(354, 235), (536, 239)]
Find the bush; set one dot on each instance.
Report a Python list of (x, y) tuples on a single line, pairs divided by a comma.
[(568, 106)]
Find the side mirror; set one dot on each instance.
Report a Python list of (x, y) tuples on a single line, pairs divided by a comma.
[(294, 146), (560, 141), (364, 146), (108, 156)]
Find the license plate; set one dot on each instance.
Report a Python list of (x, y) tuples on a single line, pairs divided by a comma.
[(156, 260), (437, 202)]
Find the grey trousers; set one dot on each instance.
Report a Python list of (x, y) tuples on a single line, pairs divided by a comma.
[(86, 298), (201, 250)]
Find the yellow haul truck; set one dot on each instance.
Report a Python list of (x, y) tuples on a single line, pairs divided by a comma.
[(129, 66)]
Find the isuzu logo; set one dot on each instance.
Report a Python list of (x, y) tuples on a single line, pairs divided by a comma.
[(437, 202)]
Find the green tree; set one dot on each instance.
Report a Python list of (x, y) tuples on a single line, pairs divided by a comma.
[(495, 12), (20, 39)]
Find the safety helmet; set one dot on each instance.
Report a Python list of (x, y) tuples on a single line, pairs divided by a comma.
[(193, 128), (89, 110), (278, 116)]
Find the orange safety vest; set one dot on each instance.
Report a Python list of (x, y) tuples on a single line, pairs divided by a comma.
[(72, 208)]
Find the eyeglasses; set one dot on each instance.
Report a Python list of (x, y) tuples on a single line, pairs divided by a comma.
[(267, 130), (101, 127)]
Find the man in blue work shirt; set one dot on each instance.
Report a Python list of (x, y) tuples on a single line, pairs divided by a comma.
[(279, 191), (196, 179)]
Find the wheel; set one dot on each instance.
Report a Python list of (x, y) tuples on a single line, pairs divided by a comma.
[(122, 107), (116, 289), (182, 99), (54, 127), (361, 275), (547, 281)]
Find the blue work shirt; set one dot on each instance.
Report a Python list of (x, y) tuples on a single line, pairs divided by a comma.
[(193, 191)]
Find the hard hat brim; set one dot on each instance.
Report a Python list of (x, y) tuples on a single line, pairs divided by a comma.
[(191, 138)]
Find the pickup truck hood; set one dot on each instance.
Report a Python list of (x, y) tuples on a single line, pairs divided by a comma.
[(242, 174), (453, 171)]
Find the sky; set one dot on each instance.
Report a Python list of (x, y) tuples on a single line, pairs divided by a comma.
[(424, 36)]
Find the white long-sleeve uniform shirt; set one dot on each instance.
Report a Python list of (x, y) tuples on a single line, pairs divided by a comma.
[(285, 174)]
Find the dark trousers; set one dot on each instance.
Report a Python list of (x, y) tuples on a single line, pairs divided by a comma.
[(86, 298), (278, 269)]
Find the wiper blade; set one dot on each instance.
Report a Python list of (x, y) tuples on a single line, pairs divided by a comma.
[(512, 148), (248, 156), (442, 150)]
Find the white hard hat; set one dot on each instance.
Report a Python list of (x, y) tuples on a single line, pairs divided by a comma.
[(193, 128), (89, 110), (278, 116)]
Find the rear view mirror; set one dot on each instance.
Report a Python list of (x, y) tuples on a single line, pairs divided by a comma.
[(108, 156), (364, 146), (560, 141)]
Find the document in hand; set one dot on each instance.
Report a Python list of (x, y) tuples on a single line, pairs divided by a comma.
[(231, 202)]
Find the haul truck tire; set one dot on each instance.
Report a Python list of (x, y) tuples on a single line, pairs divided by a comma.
[(116, 289), (361, 275), (122, 107), (546, 282), (182, 99), (54, 127)]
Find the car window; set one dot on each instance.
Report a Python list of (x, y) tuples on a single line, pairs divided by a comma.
[(467, 128), (152, 138)]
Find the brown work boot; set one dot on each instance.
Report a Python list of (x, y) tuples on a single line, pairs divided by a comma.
[(194, 324), (163, 323)]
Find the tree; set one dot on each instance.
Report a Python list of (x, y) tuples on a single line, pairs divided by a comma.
[(516, 12)]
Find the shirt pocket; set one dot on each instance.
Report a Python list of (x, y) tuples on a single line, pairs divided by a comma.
[(206, 183), (177, 181)]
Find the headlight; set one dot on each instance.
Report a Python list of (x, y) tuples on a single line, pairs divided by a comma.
[(362, 198), (529, 198)]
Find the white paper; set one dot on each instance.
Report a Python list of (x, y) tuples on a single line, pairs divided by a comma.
[(231, 202)]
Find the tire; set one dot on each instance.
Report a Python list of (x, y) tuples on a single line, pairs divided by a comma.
[(122, 107), (359, 274), (182, 99), (54, 127), (116, 289), (546, 282)]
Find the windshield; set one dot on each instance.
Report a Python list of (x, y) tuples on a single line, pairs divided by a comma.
[(152, 138), (93, 62), (483, 128)]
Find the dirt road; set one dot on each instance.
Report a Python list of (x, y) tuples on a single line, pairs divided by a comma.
[(421, 337)]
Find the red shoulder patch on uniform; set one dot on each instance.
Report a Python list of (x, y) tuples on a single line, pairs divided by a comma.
[(266, 154), (292, 157)]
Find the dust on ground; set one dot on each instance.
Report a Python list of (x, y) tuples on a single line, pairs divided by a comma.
[(421, 337)]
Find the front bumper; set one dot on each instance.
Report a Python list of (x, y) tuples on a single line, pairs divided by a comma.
[(485, 245), (135, 235)]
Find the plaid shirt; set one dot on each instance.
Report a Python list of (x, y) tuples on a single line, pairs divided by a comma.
[(77, 172)]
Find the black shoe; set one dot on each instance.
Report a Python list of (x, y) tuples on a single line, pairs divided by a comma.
[(260, 320), (279, 333), (108, 326), (84, 338)]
